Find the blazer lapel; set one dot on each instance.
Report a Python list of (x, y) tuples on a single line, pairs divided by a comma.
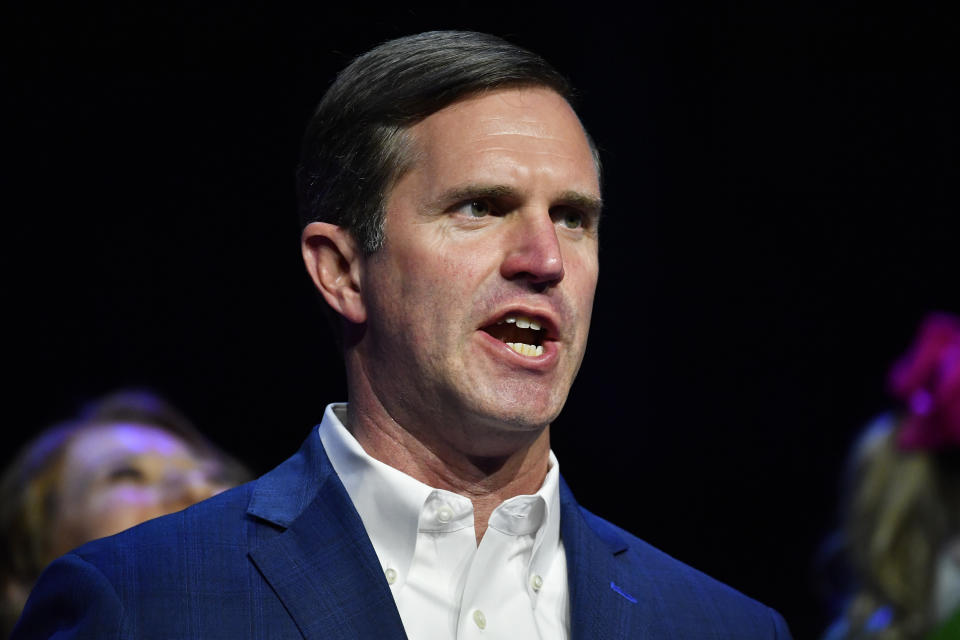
[(323, 566), (325, 572), (606, 601)]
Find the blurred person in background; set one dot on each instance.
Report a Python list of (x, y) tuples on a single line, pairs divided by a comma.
[(126, 458), (900, 534)]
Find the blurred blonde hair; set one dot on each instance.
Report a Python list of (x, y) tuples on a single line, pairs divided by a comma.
[(902, 508)]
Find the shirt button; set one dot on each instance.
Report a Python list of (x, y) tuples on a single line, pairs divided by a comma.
[(480, 619), (391, 575), (536, 582), (444, 514)]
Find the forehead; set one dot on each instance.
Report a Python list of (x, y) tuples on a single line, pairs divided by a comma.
[(515, 130), (102, 443)]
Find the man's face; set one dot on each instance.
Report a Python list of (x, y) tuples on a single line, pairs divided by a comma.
[(494, 226)]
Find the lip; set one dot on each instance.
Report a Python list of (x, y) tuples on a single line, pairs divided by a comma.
[(543, 362)]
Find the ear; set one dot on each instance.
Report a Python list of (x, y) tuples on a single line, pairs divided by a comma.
[(335, 264)]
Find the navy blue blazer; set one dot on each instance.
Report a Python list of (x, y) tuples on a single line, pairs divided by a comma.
[(286, 556)]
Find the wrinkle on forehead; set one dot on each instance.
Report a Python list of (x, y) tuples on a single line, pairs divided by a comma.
[(527, 127), (537, 152)]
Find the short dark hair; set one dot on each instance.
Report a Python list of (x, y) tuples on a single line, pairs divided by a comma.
[(355, 147)]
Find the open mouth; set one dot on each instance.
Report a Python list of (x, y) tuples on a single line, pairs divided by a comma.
[(521, 333)]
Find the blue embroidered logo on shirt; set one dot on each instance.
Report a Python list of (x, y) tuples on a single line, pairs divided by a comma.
[(613, 585)]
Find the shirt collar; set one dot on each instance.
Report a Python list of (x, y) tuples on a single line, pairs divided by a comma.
[(390, 502)]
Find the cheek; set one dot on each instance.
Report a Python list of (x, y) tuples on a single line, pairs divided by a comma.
[(119, 508), (434, 280), (445, 264), (583, 271)]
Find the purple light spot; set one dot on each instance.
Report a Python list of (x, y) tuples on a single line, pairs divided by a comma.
[(921, 402)]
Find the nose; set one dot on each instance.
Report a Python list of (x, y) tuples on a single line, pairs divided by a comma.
[(533, 250)]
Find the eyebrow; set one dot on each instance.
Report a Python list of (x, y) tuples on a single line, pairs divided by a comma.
[(592, 205), (589, 204)]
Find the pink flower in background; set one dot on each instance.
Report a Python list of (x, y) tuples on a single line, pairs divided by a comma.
[(927, 380)]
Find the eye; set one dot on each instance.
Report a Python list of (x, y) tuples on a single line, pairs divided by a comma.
[(476, 209), (570, 218), (126, 474)]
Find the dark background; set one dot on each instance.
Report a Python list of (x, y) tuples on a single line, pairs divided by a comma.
[(781, 187)]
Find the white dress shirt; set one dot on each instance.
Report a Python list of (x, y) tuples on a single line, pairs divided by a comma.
[(512, 585)]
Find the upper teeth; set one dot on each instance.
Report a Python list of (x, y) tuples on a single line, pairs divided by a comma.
[(522, 321)]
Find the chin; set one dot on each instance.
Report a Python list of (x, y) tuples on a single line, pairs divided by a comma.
[(522, 413)]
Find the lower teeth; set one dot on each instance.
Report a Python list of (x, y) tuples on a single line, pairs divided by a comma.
[(526, 349)]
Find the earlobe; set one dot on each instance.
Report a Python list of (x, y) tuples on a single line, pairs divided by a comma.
[(334, 263)]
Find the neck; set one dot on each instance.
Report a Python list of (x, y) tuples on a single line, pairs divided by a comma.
[(487, 475)]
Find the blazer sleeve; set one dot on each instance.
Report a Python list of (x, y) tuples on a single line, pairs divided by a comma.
[(72, 599)]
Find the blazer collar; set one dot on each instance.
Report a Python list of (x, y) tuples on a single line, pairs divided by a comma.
[(282, 494), (610, 596), (322, 566)]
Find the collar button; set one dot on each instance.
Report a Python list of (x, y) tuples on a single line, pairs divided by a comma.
[(444, 514), (536, 582), (479, 619)]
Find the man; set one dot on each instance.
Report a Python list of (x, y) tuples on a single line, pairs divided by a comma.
[(451, 203)]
